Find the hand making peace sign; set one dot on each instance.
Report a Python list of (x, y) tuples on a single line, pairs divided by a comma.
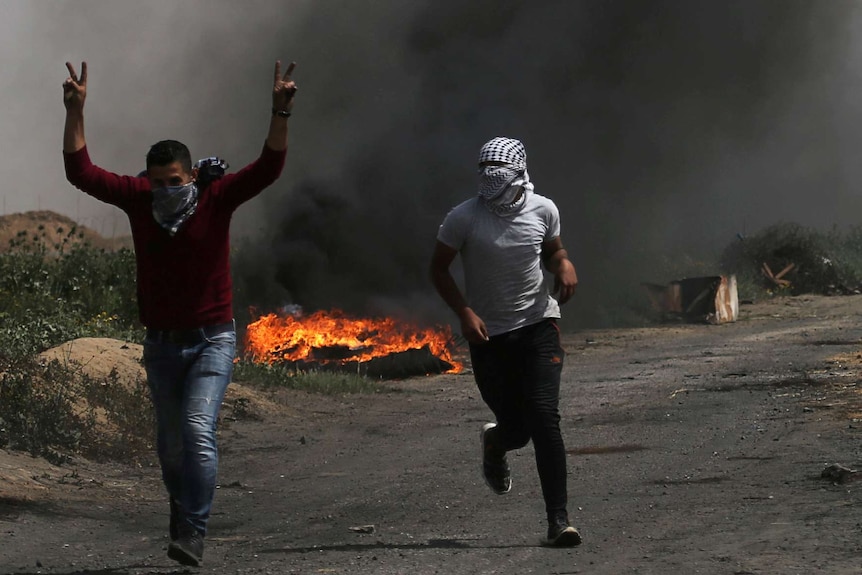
[(284, 88), (75, 89)]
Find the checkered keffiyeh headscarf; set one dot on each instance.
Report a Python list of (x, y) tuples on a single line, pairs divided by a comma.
[(506, 150), (504, 188)]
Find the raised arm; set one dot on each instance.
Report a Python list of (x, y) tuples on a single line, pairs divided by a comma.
[(283, 90), (74, 94)]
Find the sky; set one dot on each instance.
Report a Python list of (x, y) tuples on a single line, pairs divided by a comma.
[(660, 129)]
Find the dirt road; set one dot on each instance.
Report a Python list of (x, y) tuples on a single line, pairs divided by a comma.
[(693, 449)]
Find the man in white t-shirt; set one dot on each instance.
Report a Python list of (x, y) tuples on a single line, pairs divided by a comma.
[(504, 236)]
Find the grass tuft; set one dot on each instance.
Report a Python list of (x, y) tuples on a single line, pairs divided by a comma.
[(271, 376)]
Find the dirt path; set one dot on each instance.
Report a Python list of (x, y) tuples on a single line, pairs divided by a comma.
[(693, 449)]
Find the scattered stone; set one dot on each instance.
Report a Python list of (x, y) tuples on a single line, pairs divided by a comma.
[(837, 473)]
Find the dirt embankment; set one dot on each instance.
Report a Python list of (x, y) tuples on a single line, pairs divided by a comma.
[(55, 230)]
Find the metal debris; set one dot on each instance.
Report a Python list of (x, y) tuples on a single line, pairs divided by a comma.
[(837, 473), (711, 299)]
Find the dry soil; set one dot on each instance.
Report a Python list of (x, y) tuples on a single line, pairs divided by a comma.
[(692, 449)]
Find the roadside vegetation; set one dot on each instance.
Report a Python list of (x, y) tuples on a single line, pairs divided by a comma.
[(826, 263), (784, 259), (52, 292)]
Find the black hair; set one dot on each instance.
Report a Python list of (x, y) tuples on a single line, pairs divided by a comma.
[(167, 152)]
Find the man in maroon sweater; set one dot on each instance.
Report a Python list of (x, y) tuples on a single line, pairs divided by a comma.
[(180, 227)]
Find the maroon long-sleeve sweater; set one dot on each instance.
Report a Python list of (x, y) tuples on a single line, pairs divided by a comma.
[(183, 281)]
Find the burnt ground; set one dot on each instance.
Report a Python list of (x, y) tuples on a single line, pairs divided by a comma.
[(693, 449)]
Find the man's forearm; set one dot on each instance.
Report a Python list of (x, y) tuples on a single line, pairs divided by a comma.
[(73, 132), (449, 291), (276, 139), (552, 261)]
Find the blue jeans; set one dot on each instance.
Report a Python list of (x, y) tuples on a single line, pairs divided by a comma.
[(518, 374), (187, 384)]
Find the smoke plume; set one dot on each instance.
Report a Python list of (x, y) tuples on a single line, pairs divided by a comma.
[(660, 129)]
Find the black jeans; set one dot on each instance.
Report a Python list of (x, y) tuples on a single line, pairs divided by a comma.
[(518, 374)]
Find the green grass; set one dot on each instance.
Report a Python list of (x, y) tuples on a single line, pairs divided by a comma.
[(51, 294), (271, 376)]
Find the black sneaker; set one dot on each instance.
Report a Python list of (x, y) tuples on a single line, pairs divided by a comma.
[(561, 534), (188, 549), (495, 469)]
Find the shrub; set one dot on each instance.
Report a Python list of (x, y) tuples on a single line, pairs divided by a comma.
[(51, 294), (828, 263), (37, 411), (54, 410)]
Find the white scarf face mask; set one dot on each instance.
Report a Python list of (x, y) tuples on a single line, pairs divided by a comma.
[(503, 180), (503, 189)]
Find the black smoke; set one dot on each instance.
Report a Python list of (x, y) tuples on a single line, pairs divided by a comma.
[(660, 129)]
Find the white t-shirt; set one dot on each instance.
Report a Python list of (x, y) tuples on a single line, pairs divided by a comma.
[(505, 284)]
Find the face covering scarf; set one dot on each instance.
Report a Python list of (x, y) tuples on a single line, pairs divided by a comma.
[(503, 189), (504, 185), (174, 205)]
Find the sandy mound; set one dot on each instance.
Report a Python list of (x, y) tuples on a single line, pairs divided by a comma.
[(23, 477), (98, 357), (20, 475), (53, 228)]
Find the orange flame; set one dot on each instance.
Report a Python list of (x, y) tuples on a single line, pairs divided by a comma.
[(292, 338)]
